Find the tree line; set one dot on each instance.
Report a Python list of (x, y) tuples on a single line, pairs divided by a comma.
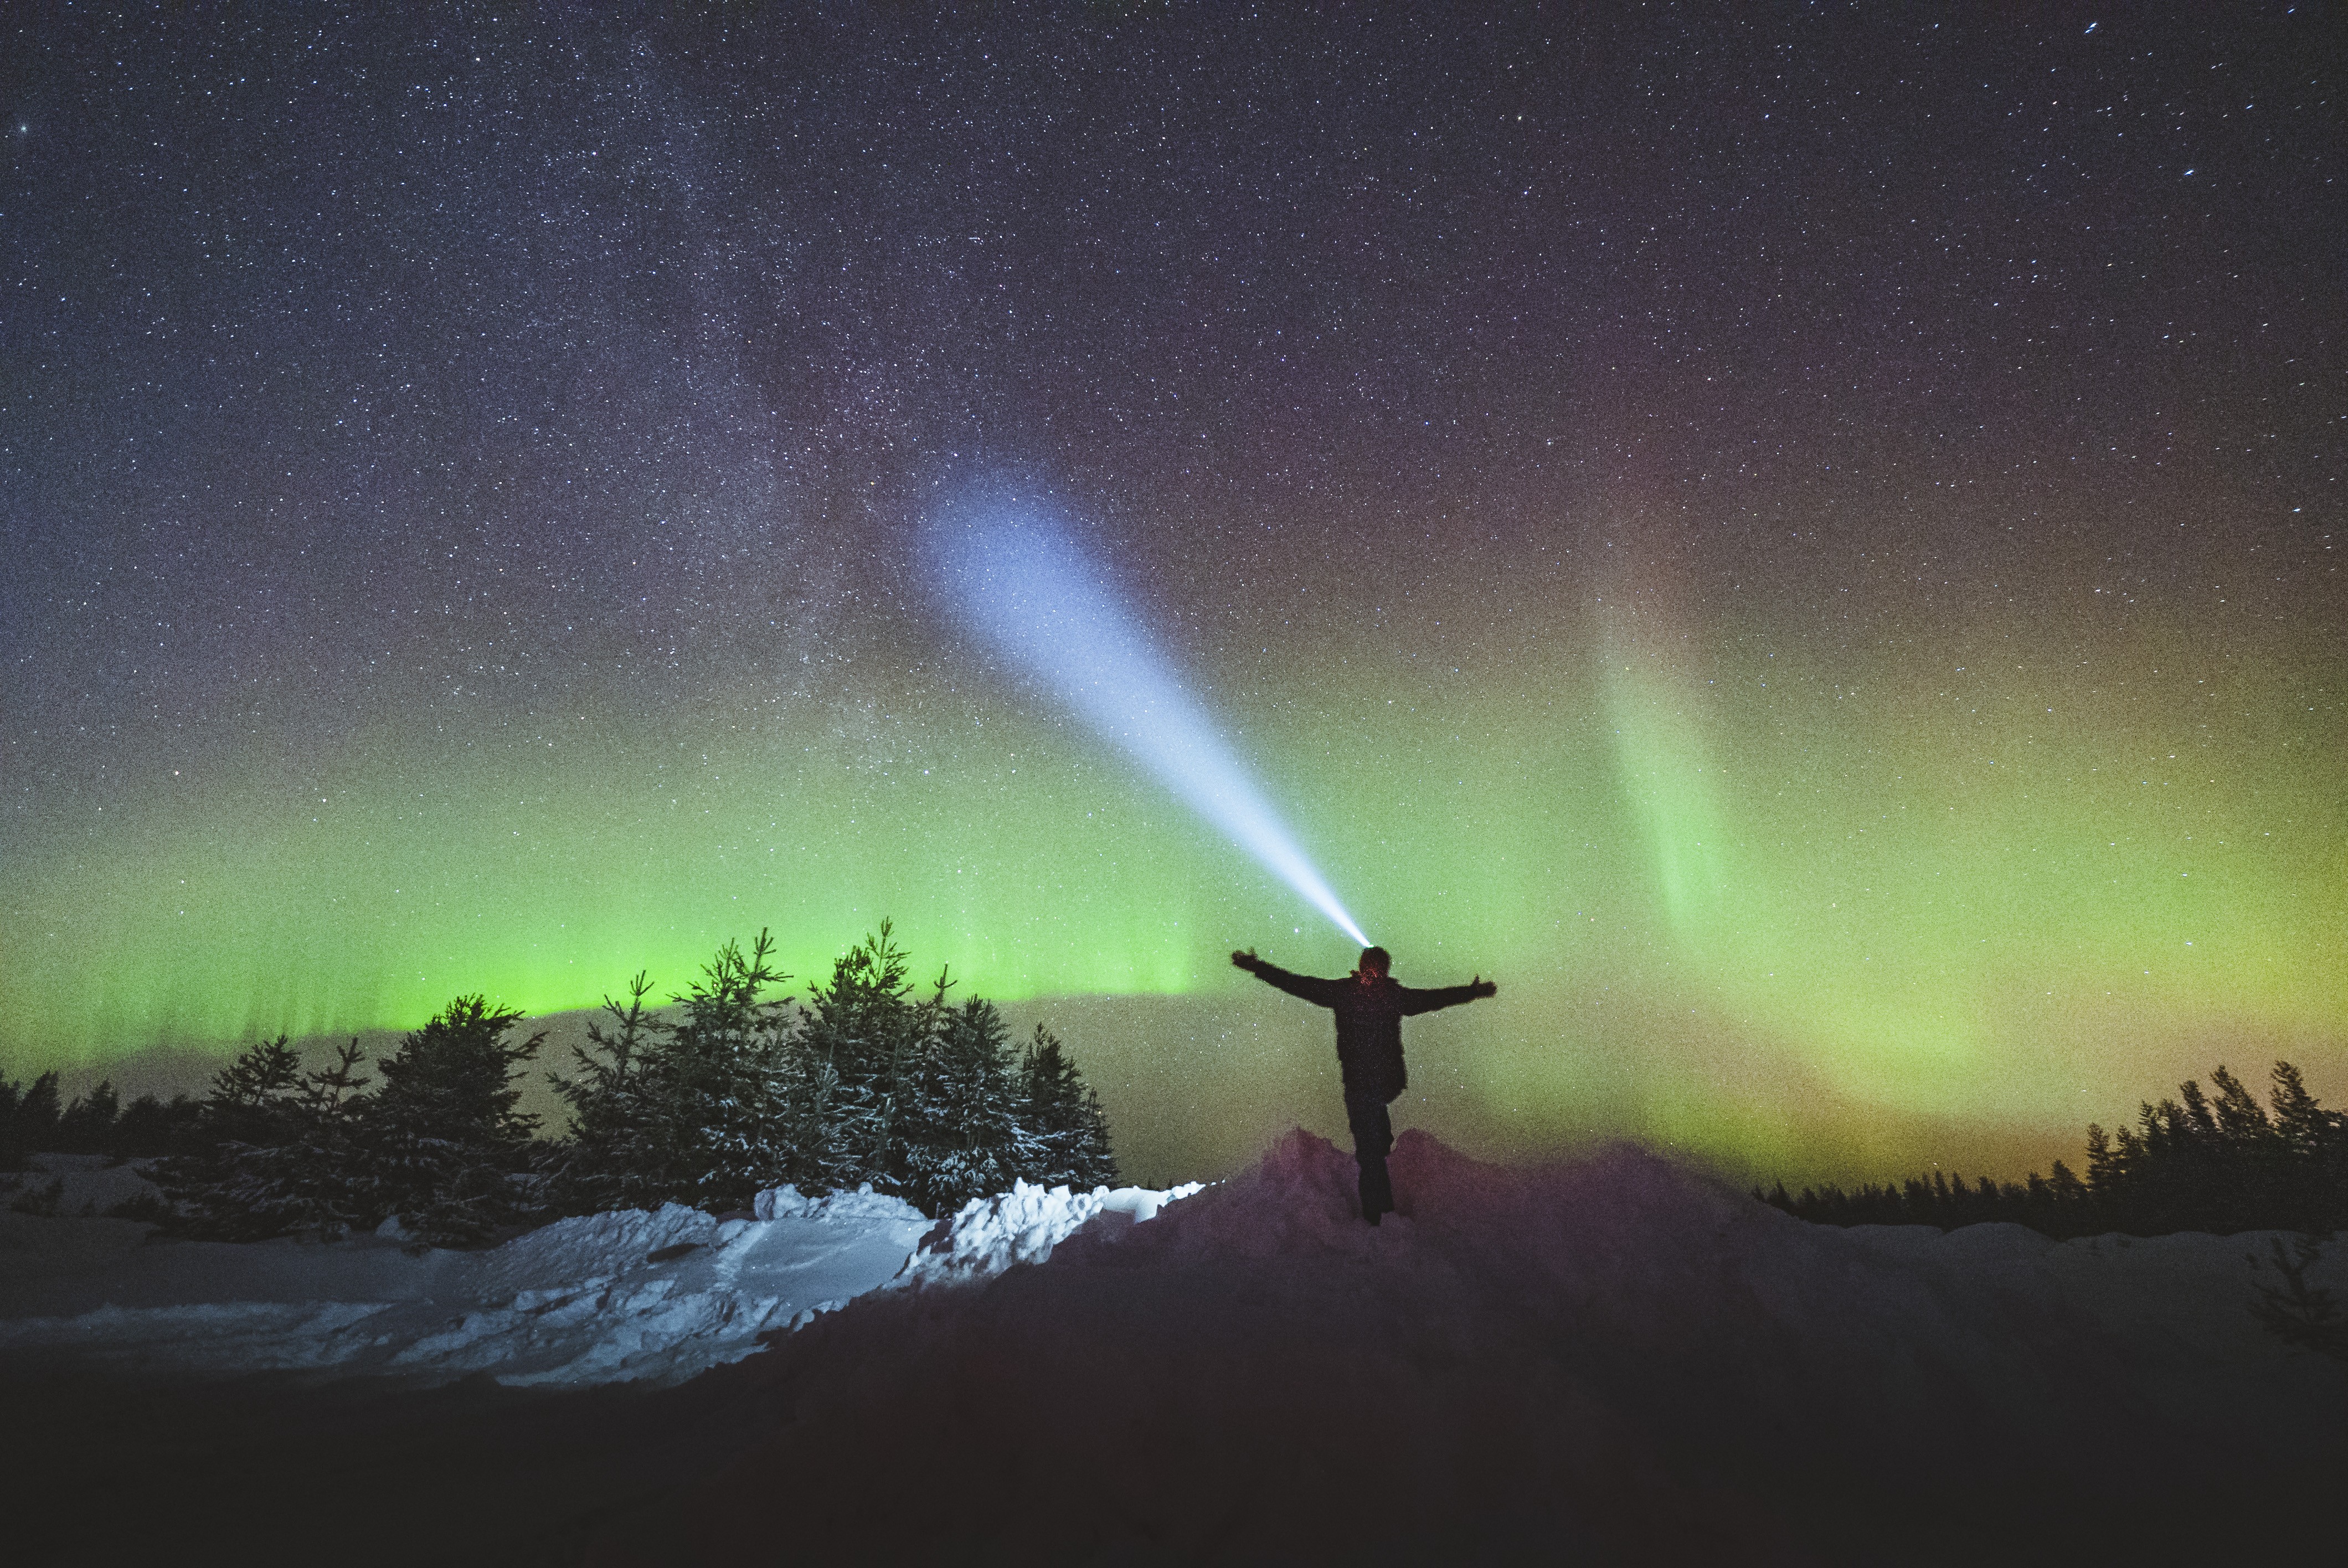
[(2192, 1163), (871, 1081), (34, 1120)]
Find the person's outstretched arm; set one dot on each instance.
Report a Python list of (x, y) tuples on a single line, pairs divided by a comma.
[(1319, 992), (1416, 1001)]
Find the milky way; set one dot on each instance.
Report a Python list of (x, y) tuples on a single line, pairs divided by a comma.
[(1804, 544)]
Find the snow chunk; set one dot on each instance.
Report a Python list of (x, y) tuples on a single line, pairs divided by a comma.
[(787, 1203), (1022, 1225)]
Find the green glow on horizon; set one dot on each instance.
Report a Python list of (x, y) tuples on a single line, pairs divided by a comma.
[(1719, 877)]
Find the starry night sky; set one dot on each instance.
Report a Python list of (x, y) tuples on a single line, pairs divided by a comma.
[(1801, 538)]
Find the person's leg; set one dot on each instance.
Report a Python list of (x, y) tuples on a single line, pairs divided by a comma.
[(1372, 1139)]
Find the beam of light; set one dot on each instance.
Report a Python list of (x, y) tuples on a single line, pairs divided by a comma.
[(1024, 586)]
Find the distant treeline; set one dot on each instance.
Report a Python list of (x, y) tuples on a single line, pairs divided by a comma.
[(34, 1122), (2192, 1163), (920, 1096)]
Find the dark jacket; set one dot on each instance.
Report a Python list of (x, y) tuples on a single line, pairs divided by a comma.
[(1369, 1021)]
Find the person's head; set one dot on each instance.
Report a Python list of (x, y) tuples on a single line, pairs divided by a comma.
[(1375, 965)]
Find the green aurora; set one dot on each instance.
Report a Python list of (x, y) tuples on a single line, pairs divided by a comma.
[(1744, 897), (1805, 546)]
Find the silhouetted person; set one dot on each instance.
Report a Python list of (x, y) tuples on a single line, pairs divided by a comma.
[(1370, 1008)]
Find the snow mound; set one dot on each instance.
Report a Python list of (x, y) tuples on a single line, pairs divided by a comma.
[(1615, 1359), (1022, 1225)]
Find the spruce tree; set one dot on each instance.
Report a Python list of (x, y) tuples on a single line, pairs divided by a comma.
[(87, 1126), (2305, 1127), (32, 1126), (247, 1106), (705, 1108), (151, 1126), (251, 1089), (442, 1144), (11, 1095), (270, 1150), (861, 1036), (309, 1178), (960, 1135), (1064, 1114), (609, 1160), (721, 1119), (2067, 1191)]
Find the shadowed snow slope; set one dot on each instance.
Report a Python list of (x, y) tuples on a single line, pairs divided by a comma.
[(1611, 1360)]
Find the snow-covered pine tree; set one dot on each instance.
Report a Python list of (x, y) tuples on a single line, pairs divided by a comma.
[(1064, 1115), (611, 1159), (720, 1098), (861, 1035), (252, 1092), (959, 1130), (308, 1178), (270, 1152), (443, 1144), (737, 1093)]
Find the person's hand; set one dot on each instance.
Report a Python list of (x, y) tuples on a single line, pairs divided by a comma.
[(1245, 959), (1483, 987)]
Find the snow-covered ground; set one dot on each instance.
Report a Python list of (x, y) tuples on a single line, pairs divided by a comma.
[(654, 1296), (1613, 1359), (665, 1296)]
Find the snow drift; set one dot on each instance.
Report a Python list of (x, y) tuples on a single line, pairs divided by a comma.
[(655, 1297)]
